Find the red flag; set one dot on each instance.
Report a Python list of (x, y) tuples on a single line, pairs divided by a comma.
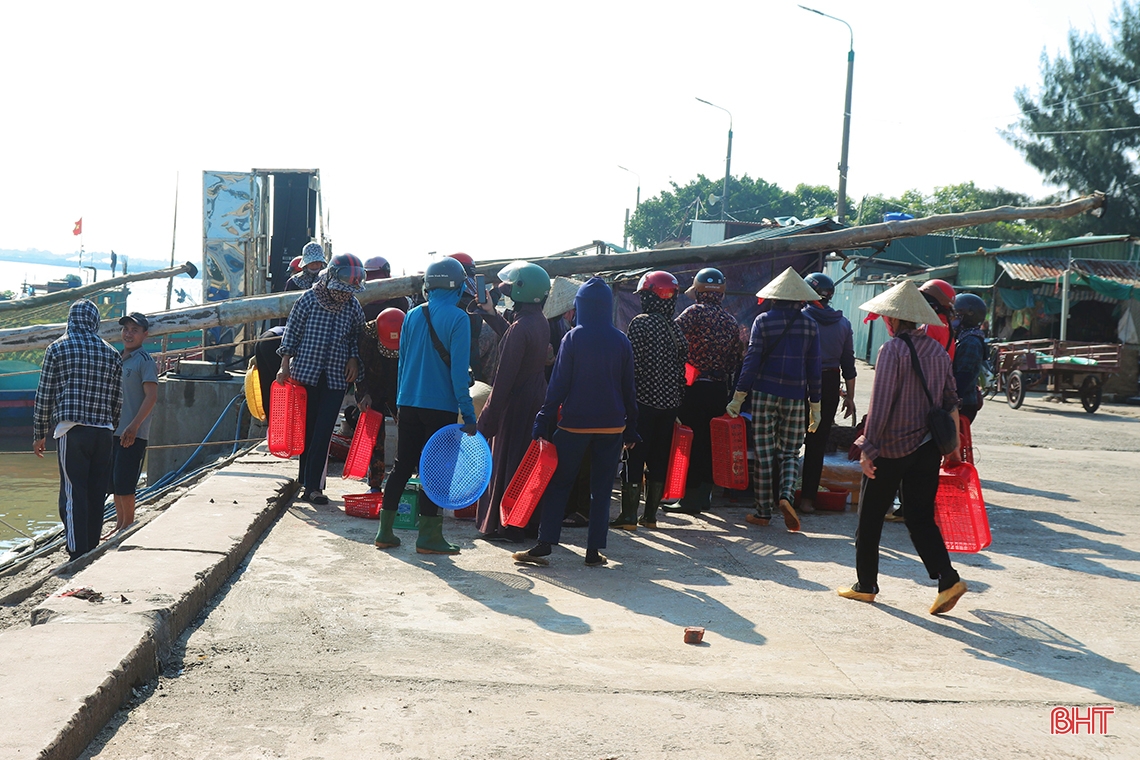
[(78, 230)]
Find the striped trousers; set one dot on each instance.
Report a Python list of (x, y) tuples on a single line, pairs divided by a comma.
[(778, 426)]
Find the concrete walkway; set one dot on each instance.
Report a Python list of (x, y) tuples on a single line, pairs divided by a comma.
[(320, 646)]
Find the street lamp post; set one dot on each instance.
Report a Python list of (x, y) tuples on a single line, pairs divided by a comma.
[(727, 161), (842, 209), (637, 202)]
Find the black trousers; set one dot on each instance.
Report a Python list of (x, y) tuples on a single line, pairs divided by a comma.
[(816, 443), (415, 427), (655, 426), (918, 474), (704, 401), (84, 466), (322, 409)]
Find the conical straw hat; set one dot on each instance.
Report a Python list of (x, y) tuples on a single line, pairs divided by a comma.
[(903, 301), (789, 286), (561, 298)]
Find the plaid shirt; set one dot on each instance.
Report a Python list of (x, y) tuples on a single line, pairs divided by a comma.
[(82, 377), (792, 368), (320, 341), (896, 415)]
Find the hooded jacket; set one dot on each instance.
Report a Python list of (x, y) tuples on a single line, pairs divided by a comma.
[(592, 380), (81, 379), (424, 380), (836, 349)]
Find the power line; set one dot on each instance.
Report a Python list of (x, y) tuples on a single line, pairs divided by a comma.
[(1085, 131)]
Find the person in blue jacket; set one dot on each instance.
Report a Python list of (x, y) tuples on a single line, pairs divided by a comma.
[(590, 405), (433, 388)]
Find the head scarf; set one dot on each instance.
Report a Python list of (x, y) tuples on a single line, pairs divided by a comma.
[(710, 298), (331, 293), (651, 303)]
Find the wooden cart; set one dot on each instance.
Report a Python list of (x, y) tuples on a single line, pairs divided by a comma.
[(1065, 369)]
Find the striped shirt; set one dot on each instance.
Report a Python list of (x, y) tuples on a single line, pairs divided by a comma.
[(896, 415)]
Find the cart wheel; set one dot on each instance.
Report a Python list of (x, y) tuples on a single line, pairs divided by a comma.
[(1015, 389), (1091, 390)]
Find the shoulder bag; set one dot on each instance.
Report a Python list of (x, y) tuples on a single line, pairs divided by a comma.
[(940, 422)]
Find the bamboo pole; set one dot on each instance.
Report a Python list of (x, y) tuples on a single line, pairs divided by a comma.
[(277, 305), (73, 294)]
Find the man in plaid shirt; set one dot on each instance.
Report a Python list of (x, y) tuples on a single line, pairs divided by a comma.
[(80, 396)]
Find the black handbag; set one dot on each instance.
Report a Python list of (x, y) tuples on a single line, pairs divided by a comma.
[(943, 429)]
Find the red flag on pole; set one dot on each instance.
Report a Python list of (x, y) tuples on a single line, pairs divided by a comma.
[(78, 229)]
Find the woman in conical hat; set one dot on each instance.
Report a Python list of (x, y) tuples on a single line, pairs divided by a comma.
[(897, 448), (781, 368)]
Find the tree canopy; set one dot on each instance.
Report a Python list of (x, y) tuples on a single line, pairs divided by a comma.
[(1081, 129), (670, 214)]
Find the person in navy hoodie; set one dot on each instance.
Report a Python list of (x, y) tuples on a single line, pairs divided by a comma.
[(837, 357), (591, 405)]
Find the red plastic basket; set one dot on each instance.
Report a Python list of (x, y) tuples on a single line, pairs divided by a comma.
[(960, 510), (366, 505), (729, 452), (967, 440), (830, 500), (678, 470), (528, 484), (287, 419), (363, 441)]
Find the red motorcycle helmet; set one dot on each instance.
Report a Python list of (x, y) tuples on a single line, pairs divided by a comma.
[(467, 262), (941, 292), (660, 283), (388, 326), (377, 268), (295, 265)]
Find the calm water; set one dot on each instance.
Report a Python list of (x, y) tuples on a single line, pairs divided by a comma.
[(31, 491), (28, 500)]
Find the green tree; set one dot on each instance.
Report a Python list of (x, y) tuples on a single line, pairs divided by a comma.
[(1081, 130), (953, 199), (670, 215)]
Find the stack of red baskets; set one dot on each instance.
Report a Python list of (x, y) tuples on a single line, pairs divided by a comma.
[(287, 402), (363, 441), (366, 505), (528, 484), (678, 471), (960, 510), (729, 452)]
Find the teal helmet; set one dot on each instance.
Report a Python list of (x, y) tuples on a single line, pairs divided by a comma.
[(529, 282), (445, 274)]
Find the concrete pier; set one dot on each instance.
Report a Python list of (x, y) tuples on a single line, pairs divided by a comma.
[(320, 646)]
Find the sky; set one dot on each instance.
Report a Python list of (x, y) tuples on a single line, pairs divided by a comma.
[(495, 128)]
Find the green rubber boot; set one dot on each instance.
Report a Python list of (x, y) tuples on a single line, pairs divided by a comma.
[(630, 497), (653, 493), (385, 538), (431, 539)]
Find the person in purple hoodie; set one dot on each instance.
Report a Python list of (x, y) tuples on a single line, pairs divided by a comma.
[(837, 357), (590, 405)]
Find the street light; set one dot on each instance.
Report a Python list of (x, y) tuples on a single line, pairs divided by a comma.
[(625, 235), (727, 161), (842, 210)]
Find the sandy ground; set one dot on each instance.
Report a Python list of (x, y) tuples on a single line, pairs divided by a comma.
[(321, 646)]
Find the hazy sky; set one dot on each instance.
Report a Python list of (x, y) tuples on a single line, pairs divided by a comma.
[(494, 128)]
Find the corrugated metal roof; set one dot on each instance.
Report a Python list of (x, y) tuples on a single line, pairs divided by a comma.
[(820, 224), (1068, 243), (1042, 269)]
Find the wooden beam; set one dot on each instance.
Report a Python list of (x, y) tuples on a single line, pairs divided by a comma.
[(74, 294), (277, 305)]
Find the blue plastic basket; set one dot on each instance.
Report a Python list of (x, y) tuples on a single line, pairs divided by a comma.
[(455, 469)]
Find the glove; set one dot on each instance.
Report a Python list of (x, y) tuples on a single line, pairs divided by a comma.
[(469, 428), (816, 416), (733, 408)]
